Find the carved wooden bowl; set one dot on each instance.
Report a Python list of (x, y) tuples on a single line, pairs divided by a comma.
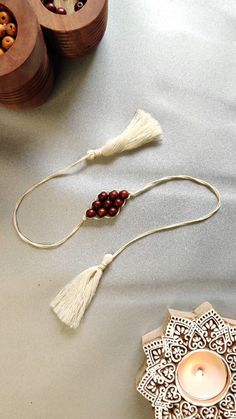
[(75, 33), (191, 353), (26, 76)]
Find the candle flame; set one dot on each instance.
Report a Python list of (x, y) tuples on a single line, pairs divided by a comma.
[(199, 374)]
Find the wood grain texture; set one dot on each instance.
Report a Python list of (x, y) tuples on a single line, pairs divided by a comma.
[(68, 5), (75, 34), (26, 76)]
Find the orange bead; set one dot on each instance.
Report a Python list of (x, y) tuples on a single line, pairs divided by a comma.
[(7, 42), (5, 17), (1, 52), (2, 30), (11, 29)]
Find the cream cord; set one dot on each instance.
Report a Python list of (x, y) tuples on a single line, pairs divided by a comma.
[(142, 130), (54, 175), (72, 301), (176, 225)]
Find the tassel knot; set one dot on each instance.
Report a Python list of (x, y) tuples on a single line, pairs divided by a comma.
[(93, 154), (106, 261), (142, 130), (73, 300)]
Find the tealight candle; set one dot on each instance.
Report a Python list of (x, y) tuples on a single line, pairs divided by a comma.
[(203, 377), (198, 382)]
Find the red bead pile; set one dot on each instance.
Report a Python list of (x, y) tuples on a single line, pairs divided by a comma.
[(8, 30), (49, 4), (107, 204)]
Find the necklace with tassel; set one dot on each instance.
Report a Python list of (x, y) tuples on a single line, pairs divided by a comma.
[(142, 130), (73, 300)]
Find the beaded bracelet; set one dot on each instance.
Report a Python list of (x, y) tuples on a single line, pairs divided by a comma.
[(72, 301)]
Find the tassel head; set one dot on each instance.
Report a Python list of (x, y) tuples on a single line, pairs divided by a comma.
[(142, 130), (73, 300)]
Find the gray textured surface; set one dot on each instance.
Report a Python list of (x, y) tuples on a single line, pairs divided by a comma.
[(177, 60)]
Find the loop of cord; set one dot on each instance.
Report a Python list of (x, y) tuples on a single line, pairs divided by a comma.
[(132, 195), (54, 175), (154, 183), (142, 130), (73, 300)]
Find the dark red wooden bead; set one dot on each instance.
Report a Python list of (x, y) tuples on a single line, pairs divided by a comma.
[(90, 213), (101, 212), (124, 194), (96, 205), (112, 211), (118, 203), (107, 204), (103, 196), (51, 7), (113, 195), (61, 11)]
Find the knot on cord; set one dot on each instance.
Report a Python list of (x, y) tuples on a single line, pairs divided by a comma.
[(93, 154), (108, 258)]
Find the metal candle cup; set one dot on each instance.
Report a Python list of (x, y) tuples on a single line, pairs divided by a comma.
[(203, 377)]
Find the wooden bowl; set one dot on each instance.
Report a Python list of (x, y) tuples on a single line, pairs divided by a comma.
[(26, 76), (76, 33)]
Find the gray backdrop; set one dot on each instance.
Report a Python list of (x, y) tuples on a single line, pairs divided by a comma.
[(175, 59)]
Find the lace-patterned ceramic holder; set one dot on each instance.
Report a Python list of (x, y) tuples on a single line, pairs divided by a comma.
[(190, 368), (75, 33)]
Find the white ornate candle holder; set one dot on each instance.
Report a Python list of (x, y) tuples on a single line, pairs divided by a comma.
[(191, 366)]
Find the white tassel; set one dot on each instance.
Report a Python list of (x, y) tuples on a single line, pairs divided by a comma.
[(72, 301), (142, 129)]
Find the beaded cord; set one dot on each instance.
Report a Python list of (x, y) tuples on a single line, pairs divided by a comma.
[(72, 301), (142, 129)]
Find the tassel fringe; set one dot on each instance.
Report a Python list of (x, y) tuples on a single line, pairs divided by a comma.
[(142, 130), (73, 300)]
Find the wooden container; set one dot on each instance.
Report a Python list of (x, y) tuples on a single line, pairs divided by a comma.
[(76, 33), (26, 77)]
